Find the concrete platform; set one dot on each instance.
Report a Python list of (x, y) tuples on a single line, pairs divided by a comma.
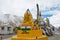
[(30, 38)]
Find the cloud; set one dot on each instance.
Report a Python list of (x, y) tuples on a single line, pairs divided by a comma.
[(19, 7), (16, 7), (55, 19), (44, 4)]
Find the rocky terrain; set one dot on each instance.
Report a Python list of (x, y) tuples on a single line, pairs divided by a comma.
[(12, 20)]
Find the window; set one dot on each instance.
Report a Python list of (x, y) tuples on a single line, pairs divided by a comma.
[(9, 28), (2, 28)]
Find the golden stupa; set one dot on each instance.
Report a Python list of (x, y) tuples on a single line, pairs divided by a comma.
[(32, 34), (28, 19)]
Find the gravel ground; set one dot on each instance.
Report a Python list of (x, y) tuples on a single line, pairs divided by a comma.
[(56, 36)]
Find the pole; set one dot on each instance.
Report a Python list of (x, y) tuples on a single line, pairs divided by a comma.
[(37, 12), (1, 37)]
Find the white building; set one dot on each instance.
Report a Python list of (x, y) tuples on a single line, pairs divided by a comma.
[(8, 22), (6, 29)]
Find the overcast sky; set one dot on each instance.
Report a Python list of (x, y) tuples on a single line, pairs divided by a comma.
[(48, 8)]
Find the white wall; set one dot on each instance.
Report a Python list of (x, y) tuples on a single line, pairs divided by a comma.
[(5, 31)]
